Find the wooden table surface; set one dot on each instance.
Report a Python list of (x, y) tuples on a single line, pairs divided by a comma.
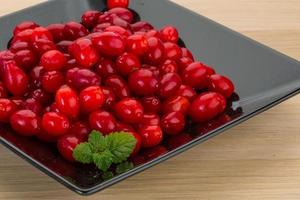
[(259, 159)]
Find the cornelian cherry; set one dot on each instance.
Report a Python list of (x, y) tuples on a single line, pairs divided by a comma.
[(221, 84), (151, 136), (103, 121), (41, 33), (80, 129), (138, 144), (74, 30), (117, 3), (118, 85), (89, 18), (52, 81), (105, 68), (53, 60), (129, 110), (109, 97), (41, 46), (66, 144), (7, 108), (57, 31), (169, 34), (25, 25), (176, 104), (82, 78), (25, 59), (143, 82), (55, 124), (127, 63), (173, 123), (172, 51), (123, 13), (187, 92), (169, 84), (91, 99), (155, 53), (25, 123), (151, 104), (137, 44), (141, 26), (195, 76)]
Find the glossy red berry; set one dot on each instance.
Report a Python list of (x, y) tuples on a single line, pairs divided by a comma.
[(173, 123), (7, 108), (18, 46), (155, 53), (53, 60), (84, 52), (33, 105), (90, 18), (109, 97), (207, 106), (109, 43), (74, 30), (169, 34), (15, 79), (187, 53), (6, 55), (209, 71), (141, 26), (41, 46), (66, 145), (183, 63), (118, 85), (172, 51), (187, 92), (67, 102), (137, 44), (138, 144), (26, 59), (168, 66), (151, 136), (124, 127), (23, 36), (117, 3), (103, 121), (55, 124), (169, 84), (221, 84), (149, 120), (123, 13), (127, 63), (105, 68), (52, 81), (91, 99), (129, 110), (63, 46), (124, 33), (195, 76), (35, 76), (80, 129), (25, 123), (143, 82), (82, 78), (57, 31), (151, 104), (176, 104), (41, 33), (25, 25)]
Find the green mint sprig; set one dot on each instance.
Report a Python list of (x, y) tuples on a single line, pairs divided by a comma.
[(104, 151)]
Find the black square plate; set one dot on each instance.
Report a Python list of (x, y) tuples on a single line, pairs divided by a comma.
[(263, 78)]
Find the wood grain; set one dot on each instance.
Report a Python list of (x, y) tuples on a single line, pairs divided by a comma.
[(259, 159)]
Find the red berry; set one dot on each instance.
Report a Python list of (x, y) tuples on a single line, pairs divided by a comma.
[(141, 26), (207, 106), (143, 82), (84, 52), (55, 124), (7, 108), (109, 43), (151, 136), (89, 18), (172, 51), (3, 92), (176, 104), (6, 55), (18, 46), (183, 63), (67, 101), (74, 30), (155, 53), (42, 46), (15, 80), (169, 84), (221, 84), (186, 53), (25, 25), (57, 31), (41, 33), (137, 44), (151, 104), (53, 60), (35, 76), (118, 86), (138, 144), (195, 76), (124, 33), (169, 34), (80, 130), (173, 123), (103, 121), (109, 97), (66, 144), (169, 66), (25, 122), (41, 96), (152, 33), (25, 59), (123, 13), (23, 36), (124, 127), (63, 46), (187, 92), (149, 120), (82, 78), (33, 105), (117, 3), (100, 27), (209, 71), (91, 98), (126, 63), (129, 110), (52, 81), (105, 68)]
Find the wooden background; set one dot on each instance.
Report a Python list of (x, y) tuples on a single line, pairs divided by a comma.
[(259, 159)]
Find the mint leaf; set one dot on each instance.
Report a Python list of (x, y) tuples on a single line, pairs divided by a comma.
[(83, 153), (103, 160), (124, 167), (97, 140), (107, 175), (121, 145)]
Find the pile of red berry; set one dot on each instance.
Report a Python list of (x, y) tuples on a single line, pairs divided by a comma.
[(108, 73)]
